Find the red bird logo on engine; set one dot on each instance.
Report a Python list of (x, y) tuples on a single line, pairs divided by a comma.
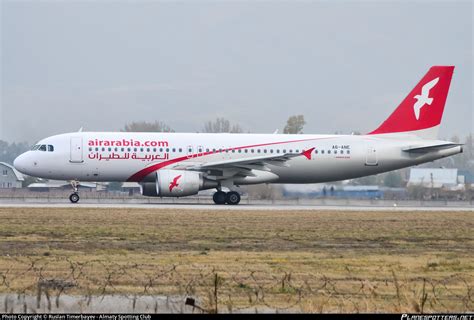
[(174, 183)]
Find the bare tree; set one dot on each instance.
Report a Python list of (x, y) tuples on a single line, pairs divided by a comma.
[(221, 125), (143, 126), (294, 124)]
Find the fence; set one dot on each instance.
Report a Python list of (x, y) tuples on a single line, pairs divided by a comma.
[(36, 284)]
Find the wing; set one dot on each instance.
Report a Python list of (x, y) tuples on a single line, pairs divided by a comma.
[(225, 169), (428, 86)]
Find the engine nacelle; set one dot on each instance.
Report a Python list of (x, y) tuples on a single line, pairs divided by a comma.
[(174, 183), (178, 183)]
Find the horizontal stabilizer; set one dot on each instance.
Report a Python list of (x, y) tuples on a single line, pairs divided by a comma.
[(431, 148)]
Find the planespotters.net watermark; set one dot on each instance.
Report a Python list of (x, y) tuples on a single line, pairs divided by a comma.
[(76, 317), (437, 316)]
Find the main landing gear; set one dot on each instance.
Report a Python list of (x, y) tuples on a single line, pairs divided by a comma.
[(74, 197), (221, 197)]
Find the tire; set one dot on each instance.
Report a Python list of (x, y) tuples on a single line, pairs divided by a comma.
[(219, 197), (74, 198), (232, 198)]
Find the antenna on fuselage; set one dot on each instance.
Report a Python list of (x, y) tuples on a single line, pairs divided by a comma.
[(276, 131), (80, 129)]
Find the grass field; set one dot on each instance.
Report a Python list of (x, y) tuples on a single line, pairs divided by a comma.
[(310, 261)]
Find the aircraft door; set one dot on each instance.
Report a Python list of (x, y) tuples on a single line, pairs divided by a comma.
[(76, 150), (371, 156)]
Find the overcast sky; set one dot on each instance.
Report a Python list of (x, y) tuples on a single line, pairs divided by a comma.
[(344, 65)]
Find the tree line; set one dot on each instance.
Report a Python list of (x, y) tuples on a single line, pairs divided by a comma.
[(294, 125)]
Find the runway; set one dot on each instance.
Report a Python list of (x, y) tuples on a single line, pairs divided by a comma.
[(240, 207)]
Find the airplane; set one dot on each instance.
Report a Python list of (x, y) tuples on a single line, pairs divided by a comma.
[(182, 164)]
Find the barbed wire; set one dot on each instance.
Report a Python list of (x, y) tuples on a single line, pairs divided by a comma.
[(213, 290)]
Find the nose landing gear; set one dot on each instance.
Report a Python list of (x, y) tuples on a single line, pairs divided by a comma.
[(232, 197), (74, 197)]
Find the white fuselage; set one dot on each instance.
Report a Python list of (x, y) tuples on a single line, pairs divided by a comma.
[(122, 156)]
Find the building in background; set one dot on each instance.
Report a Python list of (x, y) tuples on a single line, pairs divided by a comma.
[(132, 188), (9, 177), (321, 190), (436, 178)]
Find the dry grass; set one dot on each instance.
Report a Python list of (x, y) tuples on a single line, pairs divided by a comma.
[(314, 261)]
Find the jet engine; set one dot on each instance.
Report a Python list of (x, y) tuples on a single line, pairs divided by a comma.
[(176, 183)]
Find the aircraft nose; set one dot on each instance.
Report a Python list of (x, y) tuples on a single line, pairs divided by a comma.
[(20, 163)]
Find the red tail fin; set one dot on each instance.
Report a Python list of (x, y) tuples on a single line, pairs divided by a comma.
[(423, 107)]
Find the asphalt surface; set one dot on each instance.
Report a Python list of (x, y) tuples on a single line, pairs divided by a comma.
[(236, 207)]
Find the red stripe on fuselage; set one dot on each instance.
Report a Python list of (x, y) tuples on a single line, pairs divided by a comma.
[(140, 175)]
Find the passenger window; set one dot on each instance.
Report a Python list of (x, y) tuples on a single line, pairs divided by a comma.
[(329, 151), (240, 150), (141, 149), (271, 150), (322, 151), (96, 149), (258, 150), (316, 151), (297, 151), (174, 149), (348, 151), (122, 149), (147, 149), (264, 150), (90, 149), (246, 151), (110, 149), (180, 150), (251, 150)]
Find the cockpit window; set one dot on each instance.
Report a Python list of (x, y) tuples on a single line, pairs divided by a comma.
[(35, 147), (50, 148), (42, 147)]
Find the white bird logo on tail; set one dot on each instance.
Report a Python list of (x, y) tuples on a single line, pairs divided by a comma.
[(424, 99)]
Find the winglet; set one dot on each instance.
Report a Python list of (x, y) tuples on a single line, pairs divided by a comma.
[(308, 153)]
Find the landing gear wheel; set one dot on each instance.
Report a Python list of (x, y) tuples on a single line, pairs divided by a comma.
[(232, 198), (74, 198), (219, 197)]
